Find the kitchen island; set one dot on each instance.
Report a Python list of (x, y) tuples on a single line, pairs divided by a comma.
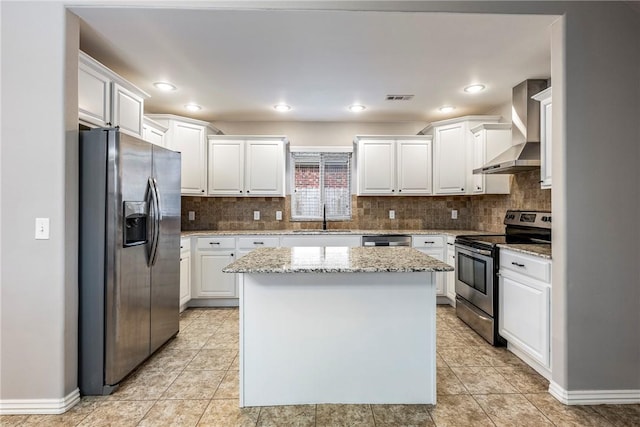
[(362, 332)]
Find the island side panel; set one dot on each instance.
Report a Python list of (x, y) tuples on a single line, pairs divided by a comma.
[(337, 338)]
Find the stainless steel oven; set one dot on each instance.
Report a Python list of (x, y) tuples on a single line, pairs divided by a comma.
[(475, 277), (477, 261)]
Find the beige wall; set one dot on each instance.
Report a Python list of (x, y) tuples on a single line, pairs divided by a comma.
[(320, 133)]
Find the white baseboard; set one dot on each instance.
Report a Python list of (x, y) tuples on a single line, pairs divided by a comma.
[(594, 397), (39, 406)]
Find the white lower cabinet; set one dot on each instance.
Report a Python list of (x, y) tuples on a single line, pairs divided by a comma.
[(433, 245), (525, 308), (185, 272), (212, 255), (450, 277)]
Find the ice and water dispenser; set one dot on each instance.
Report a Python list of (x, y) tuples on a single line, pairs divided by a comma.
[(135, 223)]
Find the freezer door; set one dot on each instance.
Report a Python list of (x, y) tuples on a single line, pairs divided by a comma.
[(127, 302), (165, 269)]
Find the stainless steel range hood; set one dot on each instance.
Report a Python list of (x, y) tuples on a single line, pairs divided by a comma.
[(524, 154)]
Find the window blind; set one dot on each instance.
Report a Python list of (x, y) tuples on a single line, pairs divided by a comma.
[(321, 179)]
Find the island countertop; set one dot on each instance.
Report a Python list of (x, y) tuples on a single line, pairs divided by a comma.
[(336, 260)]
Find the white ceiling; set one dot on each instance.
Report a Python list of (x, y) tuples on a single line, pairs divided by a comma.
[(238, 64)]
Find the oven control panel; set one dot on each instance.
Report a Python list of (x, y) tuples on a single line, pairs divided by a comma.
[(537, 219)]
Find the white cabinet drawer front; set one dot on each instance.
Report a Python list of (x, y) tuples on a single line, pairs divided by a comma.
[(528, 265), (185, 245), (216, 243), (258, 242), (427, 241)]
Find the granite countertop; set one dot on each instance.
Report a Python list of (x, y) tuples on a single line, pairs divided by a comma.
[(336, 260), (540, 250), (326, 233)]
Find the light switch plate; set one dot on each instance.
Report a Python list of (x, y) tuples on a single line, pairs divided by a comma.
[(192, 215), (256, 215), (454, 214), (42, 228), (392, 214), (278, 215)]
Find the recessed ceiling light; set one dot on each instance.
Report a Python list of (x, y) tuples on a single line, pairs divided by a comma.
[(282, 107), (193, 107), (164, 86), (356, 108), (474, 88), (446, 109)]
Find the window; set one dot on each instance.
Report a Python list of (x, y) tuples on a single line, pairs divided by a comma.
[(321, 179)]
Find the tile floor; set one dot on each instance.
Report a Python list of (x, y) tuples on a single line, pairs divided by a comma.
[(193, 381)]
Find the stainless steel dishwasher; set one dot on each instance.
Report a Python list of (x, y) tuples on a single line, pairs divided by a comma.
[(387, 240)]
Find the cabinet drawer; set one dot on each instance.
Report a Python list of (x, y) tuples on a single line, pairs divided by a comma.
[(427, 241), (216, 243), (258, 242), (185, 245), (531, 266)]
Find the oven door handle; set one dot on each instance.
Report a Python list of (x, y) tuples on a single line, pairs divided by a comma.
[(474, 250)]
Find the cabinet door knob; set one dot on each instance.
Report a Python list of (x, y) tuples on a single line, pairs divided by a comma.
[(240, 191), (517, 264), (393, 191), (247, 191), (202, 191), (462, 189), (399, 191)]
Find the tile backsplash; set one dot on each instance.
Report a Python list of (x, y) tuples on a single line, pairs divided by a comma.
[(487, 212), (372, 213)]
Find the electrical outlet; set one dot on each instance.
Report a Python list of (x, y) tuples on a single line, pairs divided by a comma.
[(42, 228), (192, 216), (256, 215), (454, 214), (392, 214), (278, 215)]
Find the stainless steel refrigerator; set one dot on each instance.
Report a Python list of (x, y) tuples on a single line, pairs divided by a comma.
[(129, 255)]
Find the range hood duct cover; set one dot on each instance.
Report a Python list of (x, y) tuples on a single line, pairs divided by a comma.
[(524, 154)]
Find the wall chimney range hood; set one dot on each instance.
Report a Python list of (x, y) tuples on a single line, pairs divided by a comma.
[(524, 154)]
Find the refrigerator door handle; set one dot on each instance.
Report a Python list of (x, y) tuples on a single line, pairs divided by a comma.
[(154, 209)]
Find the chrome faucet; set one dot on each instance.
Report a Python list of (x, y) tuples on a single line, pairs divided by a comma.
[(324, 216)]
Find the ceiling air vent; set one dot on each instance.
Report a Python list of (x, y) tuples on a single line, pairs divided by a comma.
[(399, 97)]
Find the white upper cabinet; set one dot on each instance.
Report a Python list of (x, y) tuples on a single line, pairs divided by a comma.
[(94, 93), (226, 159), (490, 140), (376, 166), (414, 169), (545, 136), (127, 110), (264, 167), (153, 132), (453, 154), (189, 137), (389, 165), (246, 165), (106, 99), (450, 149)]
